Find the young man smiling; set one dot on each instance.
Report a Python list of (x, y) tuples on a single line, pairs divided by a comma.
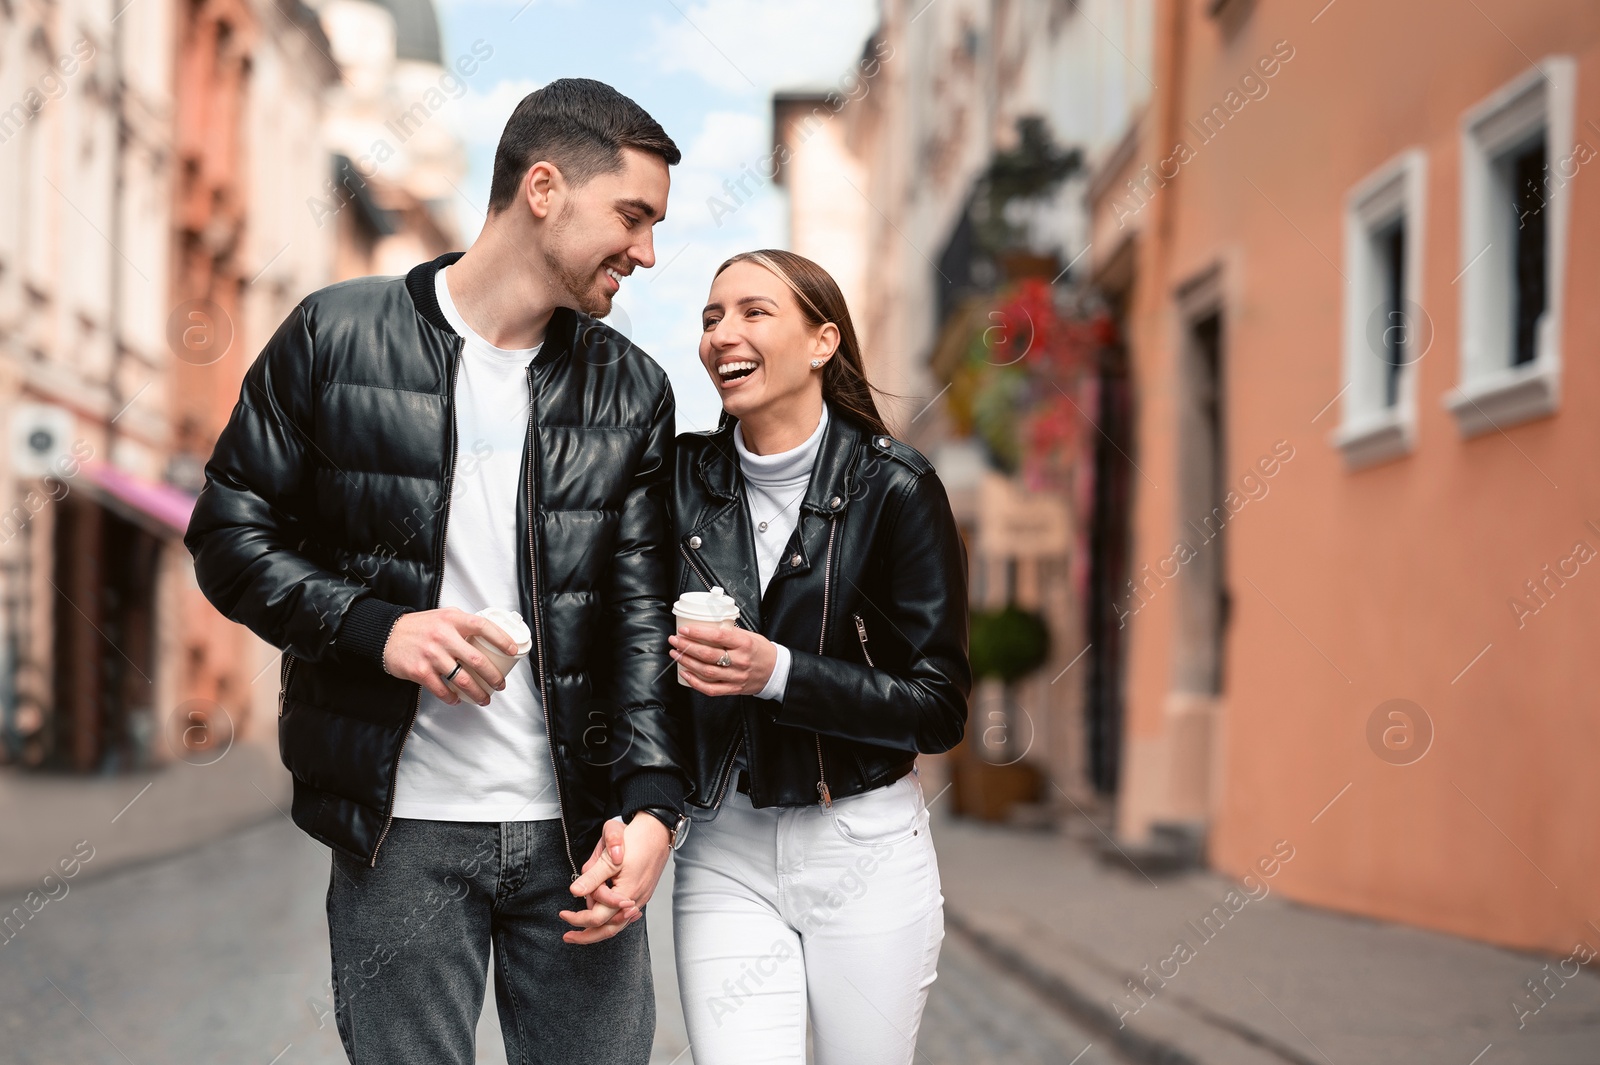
[(406, 452)]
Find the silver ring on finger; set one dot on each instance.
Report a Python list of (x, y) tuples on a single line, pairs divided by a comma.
[(450, 675), (724, 661)]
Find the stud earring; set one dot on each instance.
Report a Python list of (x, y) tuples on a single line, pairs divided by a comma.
[(815, 363)]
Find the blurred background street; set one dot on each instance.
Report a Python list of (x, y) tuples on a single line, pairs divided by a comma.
[(1238, 332)]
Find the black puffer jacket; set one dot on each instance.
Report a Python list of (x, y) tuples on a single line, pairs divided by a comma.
[(870, 597), (323, 517)]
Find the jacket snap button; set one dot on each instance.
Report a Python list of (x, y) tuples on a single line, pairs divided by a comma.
[(883, 441), (834, 502), (794, 560), (694, 542)]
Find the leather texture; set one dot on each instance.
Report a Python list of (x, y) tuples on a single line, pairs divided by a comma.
[(323, 516), (891, 588)]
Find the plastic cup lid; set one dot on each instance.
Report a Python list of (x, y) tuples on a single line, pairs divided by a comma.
[(512, 622), (715, 605)]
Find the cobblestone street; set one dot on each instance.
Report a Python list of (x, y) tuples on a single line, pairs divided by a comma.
[(220, 955)]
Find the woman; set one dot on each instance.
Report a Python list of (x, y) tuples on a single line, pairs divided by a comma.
[(810, 885)]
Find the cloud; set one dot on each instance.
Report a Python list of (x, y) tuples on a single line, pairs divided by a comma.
[(479, 117), (756, 45), (727, 143), (514, 6)]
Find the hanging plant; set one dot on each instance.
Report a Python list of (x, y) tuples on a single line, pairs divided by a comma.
[(1018, 388), (994, 416), (1030, 171), (1008, 643), (1016, 362)]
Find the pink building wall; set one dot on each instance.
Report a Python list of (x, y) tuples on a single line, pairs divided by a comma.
[(1353, 588)]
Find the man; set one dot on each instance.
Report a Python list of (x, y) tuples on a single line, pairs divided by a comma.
[(406, 452)]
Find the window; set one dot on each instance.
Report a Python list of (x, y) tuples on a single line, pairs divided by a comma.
[(1229, 15), (1389, 248), (1525, 168), (1517, 165), (1385, 330), (1200, 645)]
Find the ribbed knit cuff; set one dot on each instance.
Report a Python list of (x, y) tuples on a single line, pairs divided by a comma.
[(365, 629), (650, 787)]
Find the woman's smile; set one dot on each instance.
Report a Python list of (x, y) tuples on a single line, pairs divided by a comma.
[(733, 371)]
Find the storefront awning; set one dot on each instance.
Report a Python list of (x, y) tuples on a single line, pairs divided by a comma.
[(159, 508)]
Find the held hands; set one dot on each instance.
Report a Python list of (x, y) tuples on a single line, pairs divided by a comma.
[(618, 878), (425, 645), (696, 648)]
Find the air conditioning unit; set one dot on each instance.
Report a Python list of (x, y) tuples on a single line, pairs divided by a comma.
[(41, 437)]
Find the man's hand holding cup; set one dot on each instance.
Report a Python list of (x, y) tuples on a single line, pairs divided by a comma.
[(426, 646)]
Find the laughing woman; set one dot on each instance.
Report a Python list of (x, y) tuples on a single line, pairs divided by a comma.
[(809, 884)]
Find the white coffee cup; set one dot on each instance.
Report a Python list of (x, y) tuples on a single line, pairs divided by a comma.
[(516, 628), (715, 607)]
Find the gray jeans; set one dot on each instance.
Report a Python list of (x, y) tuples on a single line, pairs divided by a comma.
[(411, 944)]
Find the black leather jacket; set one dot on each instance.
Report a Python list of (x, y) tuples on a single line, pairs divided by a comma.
[(323, 519), (870, 597)]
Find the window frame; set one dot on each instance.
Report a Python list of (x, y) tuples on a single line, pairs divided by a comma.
[(1491, 392), (1370, 430)]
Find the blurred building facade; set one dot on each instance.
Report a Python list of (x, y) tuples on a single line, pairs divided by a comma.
[(167, 216), (85, 168), (251, 80), (397, 166), (1334, 503), (888, 173)]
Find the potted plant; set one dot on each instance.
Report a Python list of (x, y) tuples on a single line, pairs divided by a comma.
[(990, 775)]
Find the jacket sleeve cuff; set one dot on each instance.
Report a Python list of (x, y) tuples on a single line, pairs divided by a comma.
[(365, 629), (650, 787)]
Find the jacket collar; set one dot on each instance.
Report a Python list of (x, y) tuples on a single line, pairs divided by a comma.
[(828, 492), (420, 283), (721, 543)]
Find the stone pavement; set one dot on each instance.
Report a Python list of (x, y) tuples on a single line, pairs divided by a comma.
[(133, 817), (1274, 982), (1043, 940), (220, 953)]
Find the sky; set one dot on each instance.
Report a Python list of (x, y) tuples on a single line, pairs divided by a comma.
[(706, 70)]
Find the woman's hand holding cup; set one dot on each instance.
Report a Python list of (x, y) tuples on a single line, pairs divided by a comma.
[(698, 646)]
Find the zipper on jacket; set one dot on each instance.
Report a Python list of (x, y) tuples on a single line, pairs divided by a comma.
[(861, 634), (822, 642), (538, 636), (438, 585), (733, 748), (283, 680)]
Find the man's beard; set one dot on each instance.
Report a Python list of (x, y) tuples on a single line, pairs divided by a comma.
[(579, 286)]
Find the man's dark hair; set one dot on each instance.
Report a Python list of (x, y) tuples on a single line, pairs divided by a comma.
[(581, 126)]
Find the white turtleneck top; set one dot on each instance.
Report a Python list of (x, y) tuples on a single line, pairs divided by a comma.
[(774, 486)]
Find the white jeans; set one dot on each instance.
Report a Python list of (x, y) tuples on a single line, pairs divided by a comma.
[(784, 910)]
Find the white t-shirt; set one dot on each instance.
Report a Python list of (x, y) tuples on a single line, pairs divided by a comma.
[(469, 762), (774, 486)]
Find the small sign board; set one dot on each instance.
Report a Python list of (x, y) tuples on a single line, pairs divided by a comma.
[(1016, 523)]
